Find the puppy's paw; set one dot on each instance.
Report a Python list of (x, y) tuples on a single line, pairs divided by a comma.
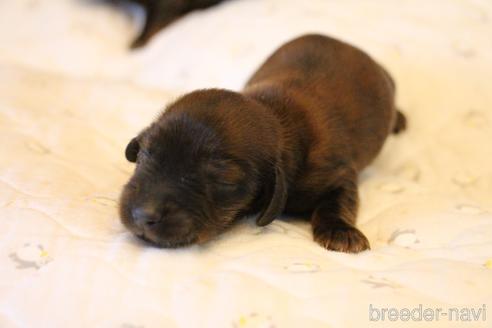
[(341, 237)]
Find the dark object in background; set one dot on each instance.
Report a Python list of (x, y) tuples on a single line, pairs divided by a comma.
[(308, 121), (160, 13)]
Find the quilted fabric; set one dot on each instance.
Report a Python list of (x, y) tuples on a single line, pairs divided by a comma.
[(72, 95)]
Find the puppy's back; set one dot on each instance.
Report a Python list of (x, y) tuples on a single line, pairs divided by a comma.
[(342, 91)]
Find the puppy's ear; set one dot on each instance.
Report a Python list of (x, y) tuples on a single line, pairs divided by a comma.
[(278, 197), (132, 150)]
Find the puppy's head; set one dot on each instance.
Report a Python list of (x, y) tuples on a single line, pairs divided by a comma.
[(202, 163)]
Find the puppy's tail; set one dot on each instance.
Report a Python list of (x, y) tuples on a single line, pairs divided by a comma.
[(400, 124)]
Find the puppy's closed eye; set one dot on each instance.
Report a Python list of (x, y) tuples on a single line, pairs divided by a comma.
[(225, 179), (224, 186), (225, 173)]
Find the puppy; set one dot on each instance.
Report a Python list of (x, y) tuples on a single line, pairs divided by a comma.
[(161, 13), (308, 121)]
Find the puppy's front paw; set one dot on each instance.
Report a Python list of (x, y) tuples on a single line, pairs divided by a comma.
[(341, 237)]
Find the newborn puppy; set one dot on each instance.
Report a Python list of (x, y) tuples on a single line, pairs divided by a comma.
[(161, 13), (308, 121)]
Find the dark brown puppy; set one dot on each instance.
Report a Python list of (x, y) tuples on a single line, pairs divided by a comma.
[(314, 115), (161, 13)]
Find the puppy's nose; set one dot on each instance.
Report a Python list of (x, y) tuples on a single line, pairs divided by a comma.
[(146, 216)]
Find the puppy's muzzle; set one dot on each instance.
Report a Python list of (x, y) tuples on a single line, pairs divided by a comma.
[(163, 225)]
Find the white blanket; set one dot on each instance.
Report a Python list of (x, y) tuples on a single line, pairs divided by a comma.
[(72, 95)]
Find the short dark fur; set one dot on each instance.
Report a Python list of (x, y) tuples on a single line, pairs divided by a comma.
[(160, 13), (309, 120)]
